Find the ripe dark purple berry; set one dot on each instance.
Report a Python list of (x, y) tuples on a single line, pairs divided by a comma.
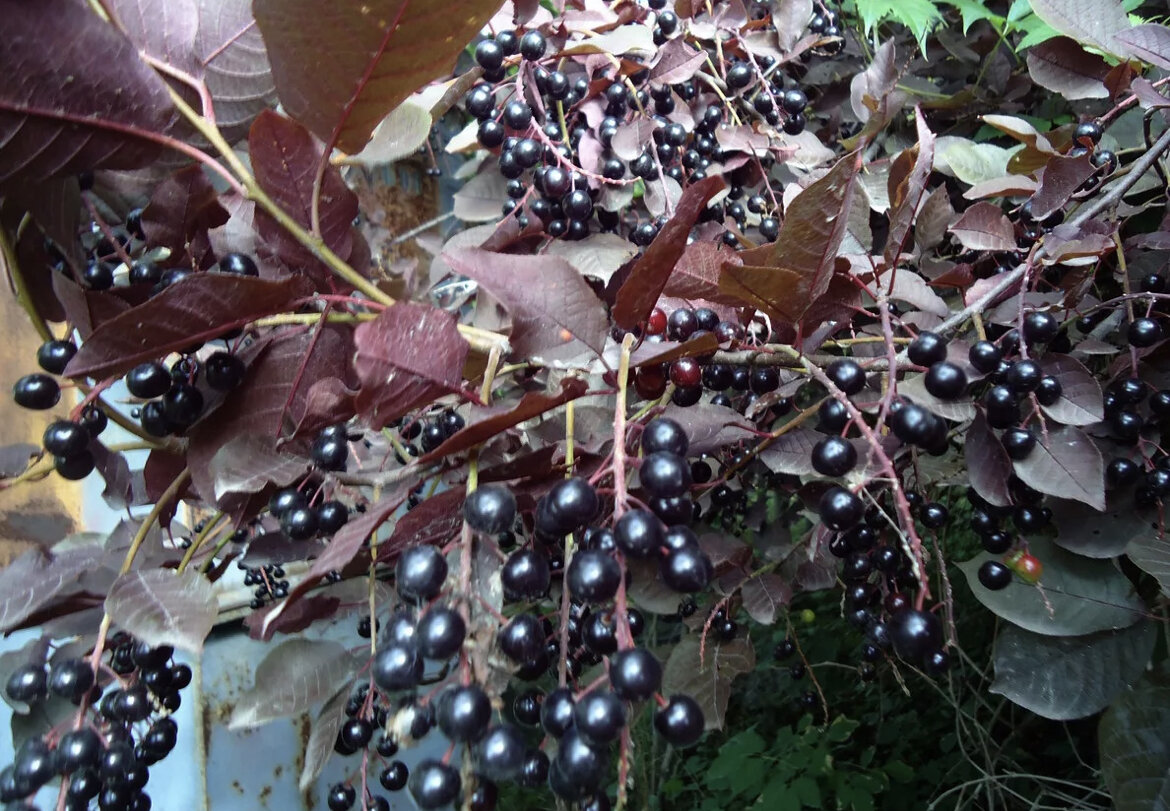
[(915, 634), (681, 721), (840, 509), (419, 573), (36, 391), (834, 456), (593, 576), (994, 575), (634, 674), (490, 509), (946, 381)]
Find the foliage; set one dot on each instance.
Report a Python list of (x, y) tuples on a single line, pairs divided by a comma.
[(867, 302)]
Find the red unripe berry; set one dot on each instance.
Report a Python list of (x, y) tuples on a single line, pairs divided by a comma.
[(656, 323), (686, 373)]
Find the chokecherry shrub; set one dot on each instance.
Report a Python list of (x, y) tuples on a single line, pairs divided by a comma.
[(712, 268)]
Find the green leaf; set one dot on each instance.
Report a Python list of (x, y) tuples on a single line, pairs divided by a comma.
[(1134, 742), (917, 15), (1063, 678), (1076, 595), (808, 791)]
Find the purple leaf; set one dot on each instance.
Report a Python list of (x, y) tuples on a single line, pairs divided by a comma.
[(162, 607), (248, 463), (406, 357), (1107, 534), (648, 277), (379, 52), (83, 98), (15, 458), (554, 311), (322, 737), (799, 266), (707, 678), (199, 308), (236, 71), (1063, 66), (272, 399), (30, 582), (791, 453), (494, 421), (1066, 464), (764, 596), (983, 227), (1080, 402), (1059, 179), (1093, 22), (907, 189), (115, 470), (710, 427), (182, 206), (294, 676), (432, 523), (988, 464), (696, 274), (676, 62), (284, 158), (1149, 42)]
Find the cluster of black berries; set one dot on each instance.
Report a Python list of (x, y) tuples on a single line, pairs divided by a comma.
[(428, 431), (268, 580), (300, 519), (125, 729), (535, 118)]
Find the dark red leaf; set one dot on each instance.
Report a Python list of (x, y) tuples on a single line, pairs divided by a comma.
[(649, 275), (432, 523), (406, 357), (554, 311), (284, 158), (271, 401), (667, 351), (676, 62), (291, 620), (56, 207), (76, 96), (988, 465), (378, 53), (906, 195), (1064, 67), (182, 206), (696, 275), (1058, 180), (485, 423), (983, 227), (199, 308), (87, 310), (115, 470), (800, 265), (38, 276), (247, 463)]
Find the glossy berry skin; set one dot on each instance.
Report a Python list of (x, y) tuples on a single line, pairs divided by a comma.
[(984, 356), (579, 767), (148, 380), (572, 503), (593, 576), (525, 575), (934, 515), (680, 722), (664, 474), (490, 509), (397, 667), (28, 683), (36, 391), (1040, 327), (440, 633), (764, 380), (329, 452), (840, 509), (1121, 472), (994, 575), (846, 375), (656, 323), (1018, 442), (224, 371), (434, 784), (927, 349), (687, 570), (532, 45), (1023, 376), (341, 797), (331, 516), (54, 356), (419, 573), (557, 712), (1026, 566), (1143, 333), (686, 373), (464, 713), (639, 534), (394, 776), (915, 634), (238, 263), (946, 381), (1048, 390), (182, 406), (300, 523), (71, 678), (600, 717), (834, 456), (501, 753), (634, 674), (74, 468), (681, 324), (1089, 131), (522, 639), (65, 438)]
